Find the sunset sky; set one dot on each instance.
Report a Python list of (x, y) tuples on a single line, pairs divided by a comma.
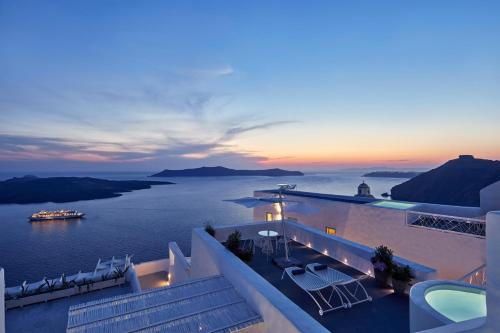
[(148, 85)]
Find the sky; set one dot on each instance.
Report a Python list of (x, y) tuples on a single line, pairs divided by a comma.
[(148, 85)]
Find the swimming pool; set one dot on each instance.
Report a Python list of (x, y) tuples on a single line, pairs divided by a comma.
[(435, 303), (457, 305), (394, 204)]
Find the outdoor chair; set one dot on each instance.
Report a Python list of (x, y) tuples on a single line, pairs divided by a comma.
[(314, 286), (350, 288)]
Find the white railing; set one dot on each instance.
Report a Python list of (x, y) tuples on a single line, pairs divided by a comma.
[(477, 277), (447, 223)]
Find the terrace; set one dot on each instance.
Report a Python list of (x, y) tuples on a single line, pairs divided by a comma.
[(374, 316), (353, 259)]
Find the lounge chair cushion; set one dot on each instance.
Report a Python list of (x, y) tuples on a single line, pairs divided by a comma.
[(298, 271), (320, 267)]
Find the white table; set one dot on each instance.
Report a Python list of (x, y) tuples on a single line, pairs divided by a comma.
[(268, 233), (267, 237)]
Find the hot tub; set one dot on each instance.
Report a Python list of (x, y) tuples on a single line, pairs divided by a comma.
[(441, 302)]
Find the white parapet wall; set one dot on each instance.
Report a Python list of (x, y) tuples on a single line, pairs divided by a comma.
[(179, 268), (493, 272), (209, 257), (2, 301), (145, 268), (350, 253), (453, 255)]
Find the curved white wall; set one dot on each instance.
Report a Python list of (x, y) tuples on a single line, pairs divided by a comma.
[(493, 272)]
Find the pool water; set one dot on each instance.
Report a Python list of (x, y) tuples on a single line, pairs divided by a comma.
[(457, 305), (394, 204)]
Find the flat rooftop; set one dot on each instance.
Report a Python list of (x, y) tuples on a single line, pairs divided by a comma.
[(324, 196), (52, 317), (386, 313)]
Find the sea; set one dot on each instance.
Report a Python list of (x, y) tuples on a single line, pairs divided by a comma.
[(141, 222)]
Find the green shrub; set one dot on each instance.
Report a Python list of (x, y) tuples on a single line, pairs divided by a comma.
[(245, 254), (382, 258), (233, 241), (209, 229), (402, 273)]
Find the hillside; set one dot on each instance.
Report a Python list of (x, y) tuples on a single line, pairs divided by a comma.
[(221, 172), (457, 182), (31, 189)]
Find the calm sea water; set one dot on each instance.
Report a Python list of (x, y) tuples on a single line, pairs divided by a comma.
[(141, 222)]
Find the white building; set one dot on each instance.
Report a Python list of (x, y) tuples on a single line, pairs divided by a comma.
[(214, 291)]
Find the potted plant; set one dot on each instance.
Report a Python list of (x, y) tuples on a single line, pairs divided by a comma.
[(382, 265), (209, 229), (233, 241), (233, 244), (401, 276)]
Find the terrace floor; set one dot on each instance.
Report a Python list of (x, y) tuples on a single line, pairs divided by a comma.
[(52, 317), (386, 313)]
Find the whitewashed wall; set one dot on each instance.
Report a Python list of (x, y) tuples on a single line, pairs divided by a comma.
[(150, 267), (209, 257), (493, 271), (452, 255), (350, 253), (179, 268), (249, 231), (490, 198)]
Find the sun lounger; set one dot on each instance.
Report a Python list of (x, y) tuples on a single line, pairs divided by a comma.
[(350, 288), (314, 286)]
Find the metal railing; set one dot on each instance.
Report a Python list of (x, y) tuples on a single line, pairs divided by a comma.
[(477, 277), (447, 223)]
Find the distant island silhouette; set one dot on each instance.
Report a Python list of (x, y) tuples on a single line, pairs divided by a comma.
[(31, 189), (222, 172), (457, 182), (392, 174)]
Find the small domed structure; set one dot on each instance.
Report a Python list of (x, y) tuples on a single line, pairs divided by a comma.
[(364, 191)]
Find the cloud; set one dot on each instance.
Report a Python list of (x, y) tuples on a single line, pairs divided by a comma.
[(208, 72), (235, 131), (45, 149)]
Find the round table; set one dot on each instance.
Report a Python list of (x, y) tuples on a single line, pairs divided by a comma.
[(267, 237), (268, 233)]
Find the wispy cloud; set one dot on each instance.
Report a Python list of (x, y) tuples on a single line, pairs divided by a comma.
[(235, 131), (208, 72)]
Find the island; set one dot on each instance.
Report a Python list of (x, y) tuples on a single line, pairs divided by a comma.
[(31, 189), (457, 182), (392, 174), (222, 172)]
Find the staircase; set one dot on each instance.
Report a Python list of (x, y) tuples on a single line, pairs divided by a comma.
[(205, 305)]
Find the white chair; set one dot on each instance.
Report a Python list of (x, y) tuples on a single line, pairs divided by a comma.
[(352, 289), (313, 286)]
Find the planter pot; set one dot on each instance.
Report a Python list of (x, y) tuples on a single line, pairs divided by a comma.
[(382, 278), (399, 286)]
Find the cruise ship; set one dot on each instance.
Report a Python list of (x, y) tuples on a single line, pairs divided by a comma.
[(332, 280), (55, 215)]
